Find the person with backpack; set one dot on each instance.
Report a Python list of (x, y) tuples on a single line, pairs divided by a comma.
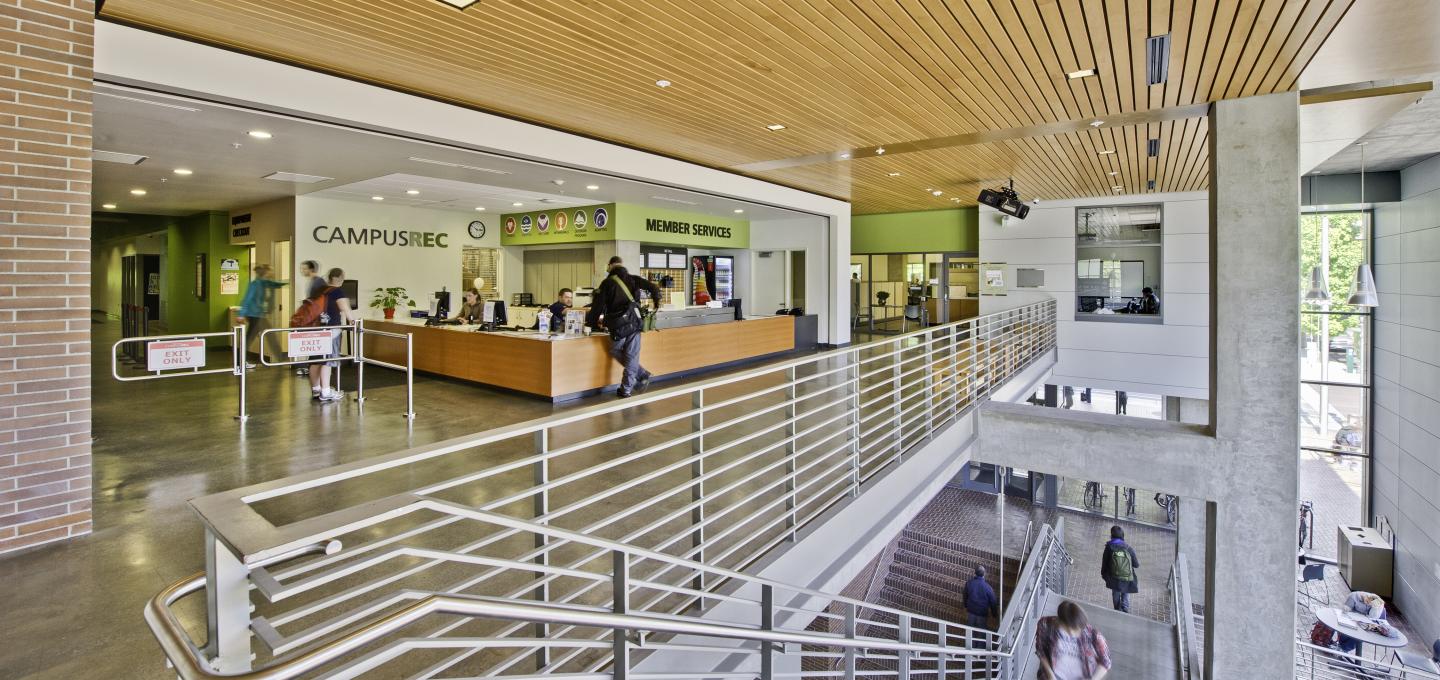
[(330, 308), (1069, 648), (979, 600), (616, 309), (1118, 566), (309, 273)]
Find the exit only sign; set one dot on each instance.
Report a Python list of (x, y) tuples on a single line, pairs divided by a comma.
[(169, 354)]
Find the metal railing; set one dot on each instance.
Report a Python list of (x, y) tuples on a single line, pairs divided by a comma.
[(353, 336), (711, 475), (1322, 663), (1188, 646), (159, 372), (1045, 570)]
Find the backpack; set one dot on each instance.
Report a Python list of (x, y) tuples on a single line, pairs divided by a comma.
[(628, 321), (309, 311), (1120, 567), (1321, 635)]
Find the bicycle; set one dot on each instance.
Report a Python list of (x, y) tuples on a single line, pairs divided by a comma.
[(1170, 503), (1307, 524), (1129, 501), (1094, 496)]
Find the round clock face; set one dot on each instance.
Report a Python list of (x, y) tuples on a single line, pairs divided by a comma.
[(477, 229)]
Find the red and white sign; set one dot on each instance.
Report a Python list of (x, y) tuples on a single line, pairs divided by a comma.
[(310, 344), (162, 355)]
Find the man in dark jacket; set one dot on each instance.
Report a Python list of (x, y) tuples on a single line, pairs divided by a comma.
[(980, 600), (1119, 567), (611, 299)]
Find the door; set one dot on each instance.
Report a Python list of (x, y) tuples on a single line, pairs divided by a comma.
[(959, 288), (283, 268)]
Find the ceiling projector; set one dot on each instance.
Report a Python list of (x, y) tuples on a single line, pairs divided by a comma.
[(1005, 200)]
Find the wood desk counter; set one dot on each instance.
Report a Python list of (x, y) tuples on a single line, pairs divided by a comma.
[(564, 367)]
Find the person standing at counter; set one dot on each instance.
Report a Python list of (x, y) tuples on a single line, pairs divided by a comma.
[(337, 313), (617, 310)]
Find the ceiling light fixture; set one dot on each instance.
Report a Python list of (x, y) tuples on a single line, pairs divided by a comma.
[(138, 192), (377, 198), (480, 208), (117, 157), (662, 83), (108, 206), (879, 151), (260, 134), (1082, 73), (413, 192), (1117, 188), (558, 182), (184, 171), (517, 204), (893, 174), (1107, 152), (592, 187), (774, 127), (936, 192), (739, 210), (1114, 173), (845, 155), (1096, 123)]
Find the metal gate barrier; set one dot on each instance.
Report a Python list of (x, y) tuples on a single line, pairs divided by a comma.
[(313, 337), (178, 356)]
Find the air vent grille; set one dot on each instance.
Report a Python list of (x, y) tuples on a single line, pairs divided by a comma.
[(1157, 59), (296, 177), (448, 164), (1150, 185), (1152, 148), (118, 157)]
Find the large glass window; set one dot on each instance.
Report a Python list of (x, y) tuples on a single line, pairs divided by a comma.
[(1334, 376), (1118, 263)]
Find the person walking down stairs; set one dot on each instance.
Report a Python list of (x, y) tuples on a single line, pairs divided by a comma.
[(1069, 648)]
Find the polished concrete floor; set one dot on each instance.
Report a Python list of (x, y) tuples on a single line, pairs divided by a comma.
[(73, 610)]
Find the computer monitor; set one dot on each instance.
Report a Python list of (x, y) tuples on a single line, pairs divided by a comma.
[(442, 304), (499, 314)]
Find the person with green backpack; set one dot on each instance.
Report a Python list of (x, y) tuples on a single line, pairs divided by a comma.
[(1118, 566)]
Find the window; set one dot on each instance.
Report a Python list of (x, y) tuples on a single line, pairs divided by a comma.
[(1118, 263), (1334, 376)]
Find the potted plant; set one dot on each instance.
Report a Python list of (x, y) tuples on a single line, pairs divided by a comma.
[(388, 299)]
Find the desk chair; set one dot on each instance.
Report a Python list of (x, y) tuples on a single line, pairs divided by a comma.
[(1309, 574), (1418, 661)]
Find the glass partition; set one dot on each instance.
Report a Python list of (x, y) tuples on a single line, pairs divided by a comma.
[(1118, 263), (891, 292)]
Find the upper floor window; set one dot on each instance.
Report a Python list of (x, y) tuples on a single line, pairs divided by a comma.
[(1118, 263)]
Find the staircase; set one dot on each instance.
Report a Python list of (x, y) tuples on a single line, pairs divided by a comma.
[(1140, 649)]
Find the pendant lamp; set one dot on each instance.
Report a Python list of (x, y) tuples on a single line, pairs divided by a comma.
[(1319, 291), (1363, 295)]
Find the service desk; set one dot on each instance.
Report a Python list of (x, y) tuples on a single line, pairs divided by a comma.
[(565, 367)]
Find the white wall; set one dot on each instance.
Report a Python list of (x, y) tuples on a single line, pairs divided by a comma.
[(1405, 419), (1170, 359), (108, 270), (827, 269), (421, 271), (133, 56)]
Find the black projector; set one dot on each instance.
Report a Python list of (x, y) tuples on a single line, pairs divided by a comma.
[(1006, 201)]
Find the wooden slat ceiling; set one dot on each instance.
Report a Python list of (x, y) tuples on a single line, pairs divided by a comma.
[(840, 74)]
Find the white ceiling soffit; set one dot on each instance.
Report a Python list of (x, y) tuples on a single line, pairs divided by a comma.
[(1327, 129), (1378, 40), (229, 167)]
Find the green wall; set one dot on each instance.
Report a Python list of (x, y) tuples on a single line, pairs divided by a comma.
[(209, 233), (926, 231)]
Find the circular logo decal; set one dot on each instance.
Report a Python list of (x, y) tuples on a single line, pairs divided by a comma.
[(562, 220), (525, 224), (509, 226), (579, 221), (602, 218), (542, 222)]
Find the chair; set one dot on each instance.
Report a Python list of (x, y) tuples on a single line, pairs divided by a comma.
[(1311, 573), (1419, 662)]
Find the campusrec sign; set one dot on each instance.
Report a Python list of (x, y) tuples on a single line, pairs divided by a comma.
[(400, 238), (687, 228)]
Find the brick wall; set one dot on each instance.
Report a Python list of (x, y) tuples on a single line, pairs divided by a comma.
[(46, 58)]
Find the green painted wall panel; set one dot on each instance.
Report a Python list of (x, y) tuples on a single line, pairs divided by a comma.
[(208, 233), (926, 231)]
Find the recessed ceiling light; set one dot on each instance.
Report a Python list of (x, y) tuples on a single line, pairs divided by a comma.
[(184, 171), (937, 192), (481, 208), (662, 83), (1114, 173), (260, 134), (517, 204), (377, 198), (593, 187), (413, 192), (956, 199), (775, 126), (739, 210), (893, 174), (1117, 187), (138, 192), (558, 182), (880, 151), (1107, 152), (845, 155), (1082, 73), (108, 206), (1096, 123)]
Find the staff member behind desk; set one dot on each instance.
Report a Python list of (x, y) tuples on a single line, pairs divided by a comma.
[(612, 298), (471, 310), (564, 300)]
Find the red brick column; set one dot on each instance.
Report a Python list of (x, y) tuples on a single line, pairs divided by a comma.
[(46, 60)]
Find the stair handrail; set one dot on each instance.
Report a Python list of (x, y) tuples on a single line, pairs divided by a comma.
[(1187, 644)]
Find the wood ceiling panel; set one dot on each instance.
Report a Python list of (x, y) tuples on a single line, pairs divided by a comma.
[(840, 74)]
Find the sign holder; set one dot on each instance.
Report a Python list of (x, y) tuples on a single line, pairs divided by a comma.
[(236, 367)]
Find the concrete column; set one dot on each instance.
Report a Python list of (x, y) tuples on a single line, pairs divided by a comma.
[(1254, 255)]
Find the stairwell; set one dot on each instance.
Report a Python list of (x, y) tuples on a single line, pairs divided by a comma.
[(1140, 649)]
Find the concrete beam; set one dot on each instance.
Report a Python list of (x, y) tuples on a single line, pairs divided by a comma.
[(1156, 455)]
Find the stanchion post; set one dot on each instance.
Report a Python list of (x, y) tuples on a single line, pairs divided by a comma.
[(359, 346), (409, 376), (238, 356)]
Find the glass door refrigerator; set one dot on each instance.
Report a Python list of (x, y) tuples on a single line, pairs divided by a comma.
[(724, 278)]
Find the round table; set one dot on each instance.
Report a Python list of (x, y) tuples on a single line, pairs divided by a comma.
[(1331, 616)]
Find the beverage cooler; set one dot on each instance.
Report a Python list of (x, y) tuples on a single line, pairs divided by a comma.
[(724, 278)]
